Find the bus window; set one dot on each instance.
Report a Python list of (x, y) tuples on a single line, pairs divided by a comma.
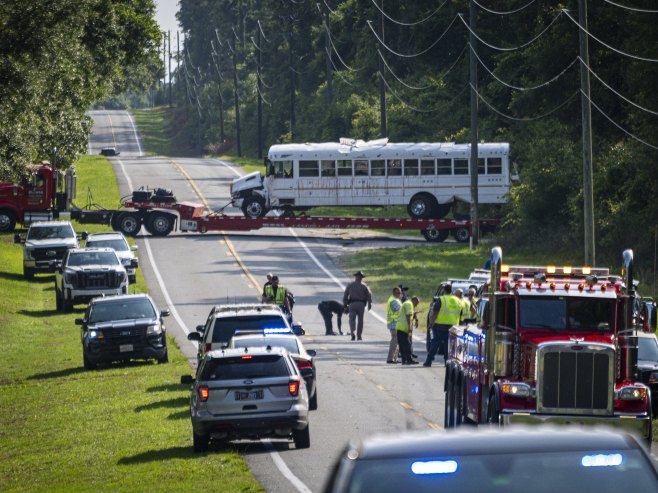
[(345, 168), (360, 167), (282, 169), (411, 167), (494, 166), (427, 167), (461, 166), (444, 166), (309, 168), (394, 167), (377, 167), (327, 168), (480, 166)]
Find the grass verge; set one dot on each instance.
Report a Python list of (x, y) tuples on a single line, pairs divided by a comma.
[(154, 128), (122, 428)]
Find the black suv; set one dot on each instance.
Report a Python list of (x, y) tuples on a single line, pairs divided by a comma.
[(120, 328)]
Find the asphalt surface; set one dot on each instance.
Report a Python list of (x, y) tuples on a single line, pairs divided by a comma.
[(358, 393)]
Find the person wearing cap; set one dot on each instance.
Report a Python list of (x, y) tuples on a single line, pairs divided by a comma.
[(269, 281), (327, 310), (465, 305), (274, 293), (357, 295), (403, 329), (393, 306), (472, 306), (414, 319), (445, 313)]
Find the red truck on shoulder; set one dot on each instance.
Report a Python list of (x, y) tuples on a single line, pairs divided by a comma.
[(552, 345)]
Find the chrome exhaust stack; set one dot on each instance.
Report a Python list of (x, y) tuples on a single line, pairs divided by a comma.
[(627, 337)]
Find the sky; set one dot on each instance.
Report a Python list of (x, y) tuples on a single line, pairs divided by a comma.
[(166, 15)]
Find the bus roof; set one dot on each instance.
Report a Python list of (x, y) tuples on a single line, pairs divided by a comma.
[(381, 148)]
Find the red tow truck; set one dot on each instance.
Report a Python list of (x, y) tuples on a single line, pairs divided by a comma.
[(38, 198), (552, 345)]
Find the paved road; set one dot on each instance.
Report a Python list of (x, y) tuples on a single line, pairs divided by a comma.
[(358, 393)]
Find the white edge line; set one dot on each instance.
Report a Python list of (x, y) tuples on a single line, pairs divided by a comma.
[(139, 146), (283, 467)]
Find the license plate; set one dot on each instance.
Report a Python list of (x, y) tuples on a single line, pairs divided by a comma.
[(125, 348), (248, 396)]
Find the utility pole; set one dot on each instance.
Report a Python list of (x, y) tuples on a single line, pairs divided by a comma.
[(473, 168), (219, 90), (235, 97), (164, 65), (588, 179), (169, 53), (292, 88), (178, 84), (327, 47), (260, 94), (382, 83)]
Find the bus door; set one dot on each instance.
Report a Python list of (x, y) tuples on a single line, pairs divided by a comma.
[(281, 184)]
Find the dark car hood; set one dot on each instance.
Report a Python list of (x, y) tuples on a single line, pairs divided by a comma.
[(123, 324), (93, 267)]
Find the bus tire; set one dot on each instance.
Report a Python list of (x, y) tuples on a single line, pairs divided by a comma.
[(159, 223), (435, 235), (7, 221), (462, 235), (253, 207), (129, 223), (421, 206)]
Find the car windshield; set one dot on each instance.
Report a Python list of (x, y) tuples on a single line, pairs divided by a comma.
[(117, 244), (564, 313), (289, 343), (50, 232), (648, 350), (566, 472), (225, 327), (246, 366), (121, 310), (92, 258)]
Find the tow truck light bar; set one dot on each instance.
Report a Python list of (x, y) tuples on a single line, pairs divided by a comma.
[(552, 270)]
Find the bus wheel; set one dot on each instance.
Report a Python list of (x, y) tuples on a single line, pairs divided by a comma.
[(288, 212), (160, 223), (253, 207), (421, 206), (462, 235), (129, 223), (435, 235)]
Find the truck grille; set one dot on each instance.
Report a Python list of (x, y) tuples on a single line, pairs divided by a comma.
[(98, 280), (49, 254), (575, 378), (134, 334)]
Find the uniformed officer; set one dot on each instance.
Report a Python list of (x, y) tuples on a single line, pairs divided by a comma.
[(403, 329), (357, 295), (393, 306), (445, 313), (277, 294), (327, 310)]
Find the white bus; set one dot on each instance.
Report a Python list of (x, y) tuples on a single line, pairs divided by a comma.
[(427, 177)]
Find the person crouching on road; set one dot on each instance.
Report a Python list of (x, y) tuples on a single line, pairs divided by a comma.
[(403, 329), (445, 313), (393, 306), (274, 293), (327, 310), (357, 295)]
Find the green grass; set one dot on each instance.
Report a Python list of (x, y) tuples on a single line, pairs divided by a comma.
[(154, 127), (122, 428)]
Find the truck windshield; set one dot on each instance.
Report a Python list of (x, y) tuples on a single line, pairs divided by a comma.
[(89, 258), (121, 310), (50, 232), (116, 245), (564, 313)]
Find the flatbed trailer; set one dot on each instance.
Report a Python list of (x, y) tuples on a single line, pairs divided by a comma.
[(161, 217)]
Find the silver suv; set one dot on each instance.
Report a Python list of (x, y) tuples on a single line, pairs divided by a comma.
[(86, 273), (118, 242), (45, 245), (248, 393)]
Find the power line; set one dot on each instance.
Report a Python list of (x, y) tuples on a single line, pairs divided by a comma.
[(511, 48), (616, 92), (400, 23), (327, 5), (635, 57), (503, 12), (337, 71), (518, 88), (402, 55), (631, 135), (634, 9), (525, 119), (333, 46), (419, 110)]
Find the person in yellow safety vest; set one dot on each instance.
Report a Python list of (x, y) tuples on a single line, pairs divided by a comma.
[(472, 303), (274, 293), (393, 306), (403, 329), (466, 309), (445, 313)]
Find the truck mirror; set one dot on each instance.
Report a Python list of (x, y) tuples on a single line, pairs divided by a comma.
[(134, 248), (200, 328), (84, 235), (194, 336), (164, 313), (79, 321), (186, 380)]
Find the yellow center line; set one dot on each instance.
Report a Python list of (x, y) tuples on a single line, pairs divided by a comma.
[(406, 405), (380, 387), (254, 283), (434, 426)]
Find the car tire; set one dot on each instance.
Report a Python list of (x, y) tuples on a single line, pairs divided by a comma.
[(88, 365), (59, 304), (7, 221), (313, 401), (200, 442), (67, 306), (164, 359), (448, 414), (302, 438), (253, 207), (459, 402), (132, 279), (28, 273)]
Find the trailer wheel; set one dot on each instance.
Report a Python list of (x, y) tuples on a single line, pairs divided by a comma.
[(160, 223), (7, 221), (462, 235), (459, 401), (129, 223), (435, 235), (421, 206), (253, 207), (493, 410)]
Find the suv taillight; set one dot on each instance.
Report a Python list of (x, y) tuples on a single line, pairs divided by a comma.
[(303, 364), (207, 347), (293, 387), (203, 393)]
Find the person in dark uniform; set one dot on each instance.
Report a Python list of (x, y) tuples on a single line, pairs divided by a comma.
[(327, 310)]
